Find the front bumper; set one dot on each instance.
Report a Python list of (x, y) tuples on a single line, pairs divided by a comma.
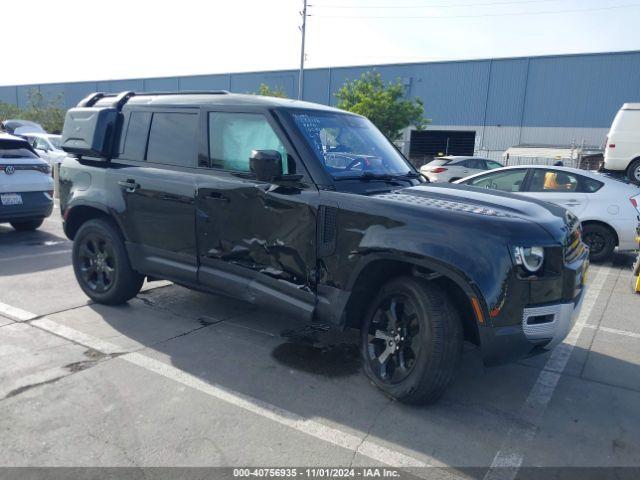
[(538, 325), (550, 324)]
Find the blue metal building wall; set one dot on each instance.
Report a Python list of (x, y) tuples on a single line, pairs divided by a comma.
[(554, 91)]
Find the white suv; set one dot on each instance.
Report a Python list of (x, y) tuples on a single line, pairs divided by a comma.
[(622, 152), (26, 186)]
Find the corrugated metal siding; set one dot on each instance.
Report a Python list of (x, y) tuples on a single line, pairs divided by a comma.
[(580, 91), (559, 91), (507, 88)]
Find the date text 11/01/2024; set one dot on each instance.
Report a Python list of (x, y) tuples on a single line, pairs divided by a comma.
[(368, 472)]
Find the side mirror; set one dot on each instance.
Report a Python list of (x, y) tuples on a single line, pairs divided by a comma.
[(266, 164)]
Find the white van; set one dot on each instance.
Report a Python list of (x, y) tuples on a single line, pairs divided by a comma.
[(622, 152)]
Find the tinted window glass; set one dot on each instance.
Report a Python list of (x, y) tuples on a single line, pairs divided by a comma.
[(232, 137), (172, 139), (135, 142), (491, 164), (14, 149), (553, 181), (591, 185), (507, 181)]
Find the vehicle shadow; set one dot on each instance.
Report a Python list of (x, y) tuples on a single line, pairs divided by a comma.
[(318, 376), (30, 252)]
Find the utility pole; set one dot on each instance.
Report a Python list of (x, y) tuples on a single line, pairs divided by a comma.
[(304, 31)]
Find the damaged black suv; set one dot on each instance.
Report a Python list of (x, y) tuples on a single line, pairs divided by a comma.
[(310, 210)]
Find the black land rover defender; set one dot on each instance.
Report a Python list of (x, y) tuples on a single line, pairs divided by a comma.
[(311, 210)]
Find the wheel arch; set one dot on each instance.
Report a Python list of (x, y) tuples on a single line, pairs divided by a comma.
[(77, 215), (372, 274)]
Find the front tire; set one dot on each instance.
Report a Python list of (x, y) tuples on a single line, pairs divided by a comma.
[(411, 341), (27, 225), (101, 264), (633, 172), (600, 240)]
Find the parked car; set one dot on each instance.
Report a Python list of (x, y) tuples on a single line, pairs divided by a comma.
[(26, 187), (19, 127), (608, 207), (450, 169), (47, 146), (311, 210), (622, 151)]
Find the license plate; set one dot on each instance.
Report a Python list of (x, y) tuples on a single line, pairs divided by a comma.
[(10, 199)]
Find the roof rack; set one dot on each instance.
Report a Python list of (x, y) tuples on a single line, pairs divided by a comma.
[(121, 98)]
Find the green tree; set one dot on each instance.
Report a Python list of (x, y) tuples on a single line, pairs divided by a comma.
[(383, 104), (48, 113), (267, 91)]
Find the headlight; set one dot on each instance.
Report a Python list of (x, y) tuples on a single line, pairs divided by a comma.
[(530, 258)]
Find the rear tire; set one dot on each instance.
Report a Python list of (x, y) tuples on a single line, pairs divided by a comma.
[(101, 264), (633, 171), (27, 225), (411, 341), (600, 240)]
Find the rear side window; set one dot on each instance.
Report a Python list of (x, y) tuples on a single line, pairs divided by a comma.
[(135, 142), (172, 139), (590, 185), (11, 149)]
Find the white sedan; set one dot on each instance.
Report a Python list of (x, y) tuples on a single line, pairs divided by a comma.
[(47, 146), (608, 207)]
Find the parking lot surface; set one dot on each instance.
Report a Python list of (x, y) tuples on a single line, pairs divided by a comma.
[(180, 378)]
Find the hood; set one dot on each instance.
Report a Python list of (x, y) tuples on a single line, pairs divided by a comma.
[(491, 204)]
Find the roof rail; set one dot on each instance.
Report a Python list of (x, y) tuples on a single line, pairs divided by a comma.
[(90, 99), (122, 97), (189, 92)]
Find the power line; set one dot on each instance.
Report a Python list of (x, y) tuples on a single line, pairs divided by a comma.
[(485, 4), (517, 14)]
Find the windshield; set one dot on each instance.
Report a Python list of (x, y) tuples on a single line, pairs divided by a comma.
[(55, 141), (349, 146)]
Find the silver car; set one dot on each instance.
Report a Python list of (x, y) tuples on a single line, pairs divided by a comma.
[(451, 168)]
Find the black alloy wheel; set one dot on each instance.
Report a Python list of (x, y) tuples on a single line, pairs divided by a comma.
[(394, 343), (411, 340), (97, 263), (101, 263)]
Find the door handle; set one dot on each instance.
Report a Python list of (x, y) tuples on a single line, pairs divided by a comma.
[(217, 196), (129, 184), (572, 203)]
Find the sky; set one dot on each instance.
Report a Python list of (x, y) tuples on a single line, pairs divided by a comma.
[(75, 40)]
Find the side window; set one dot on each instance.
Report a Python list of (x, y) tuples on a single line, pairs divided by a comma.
[(135, 140), (590, 185), (491, 164), (553, 181), (506, 181), (172, 139), (232, 137)]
